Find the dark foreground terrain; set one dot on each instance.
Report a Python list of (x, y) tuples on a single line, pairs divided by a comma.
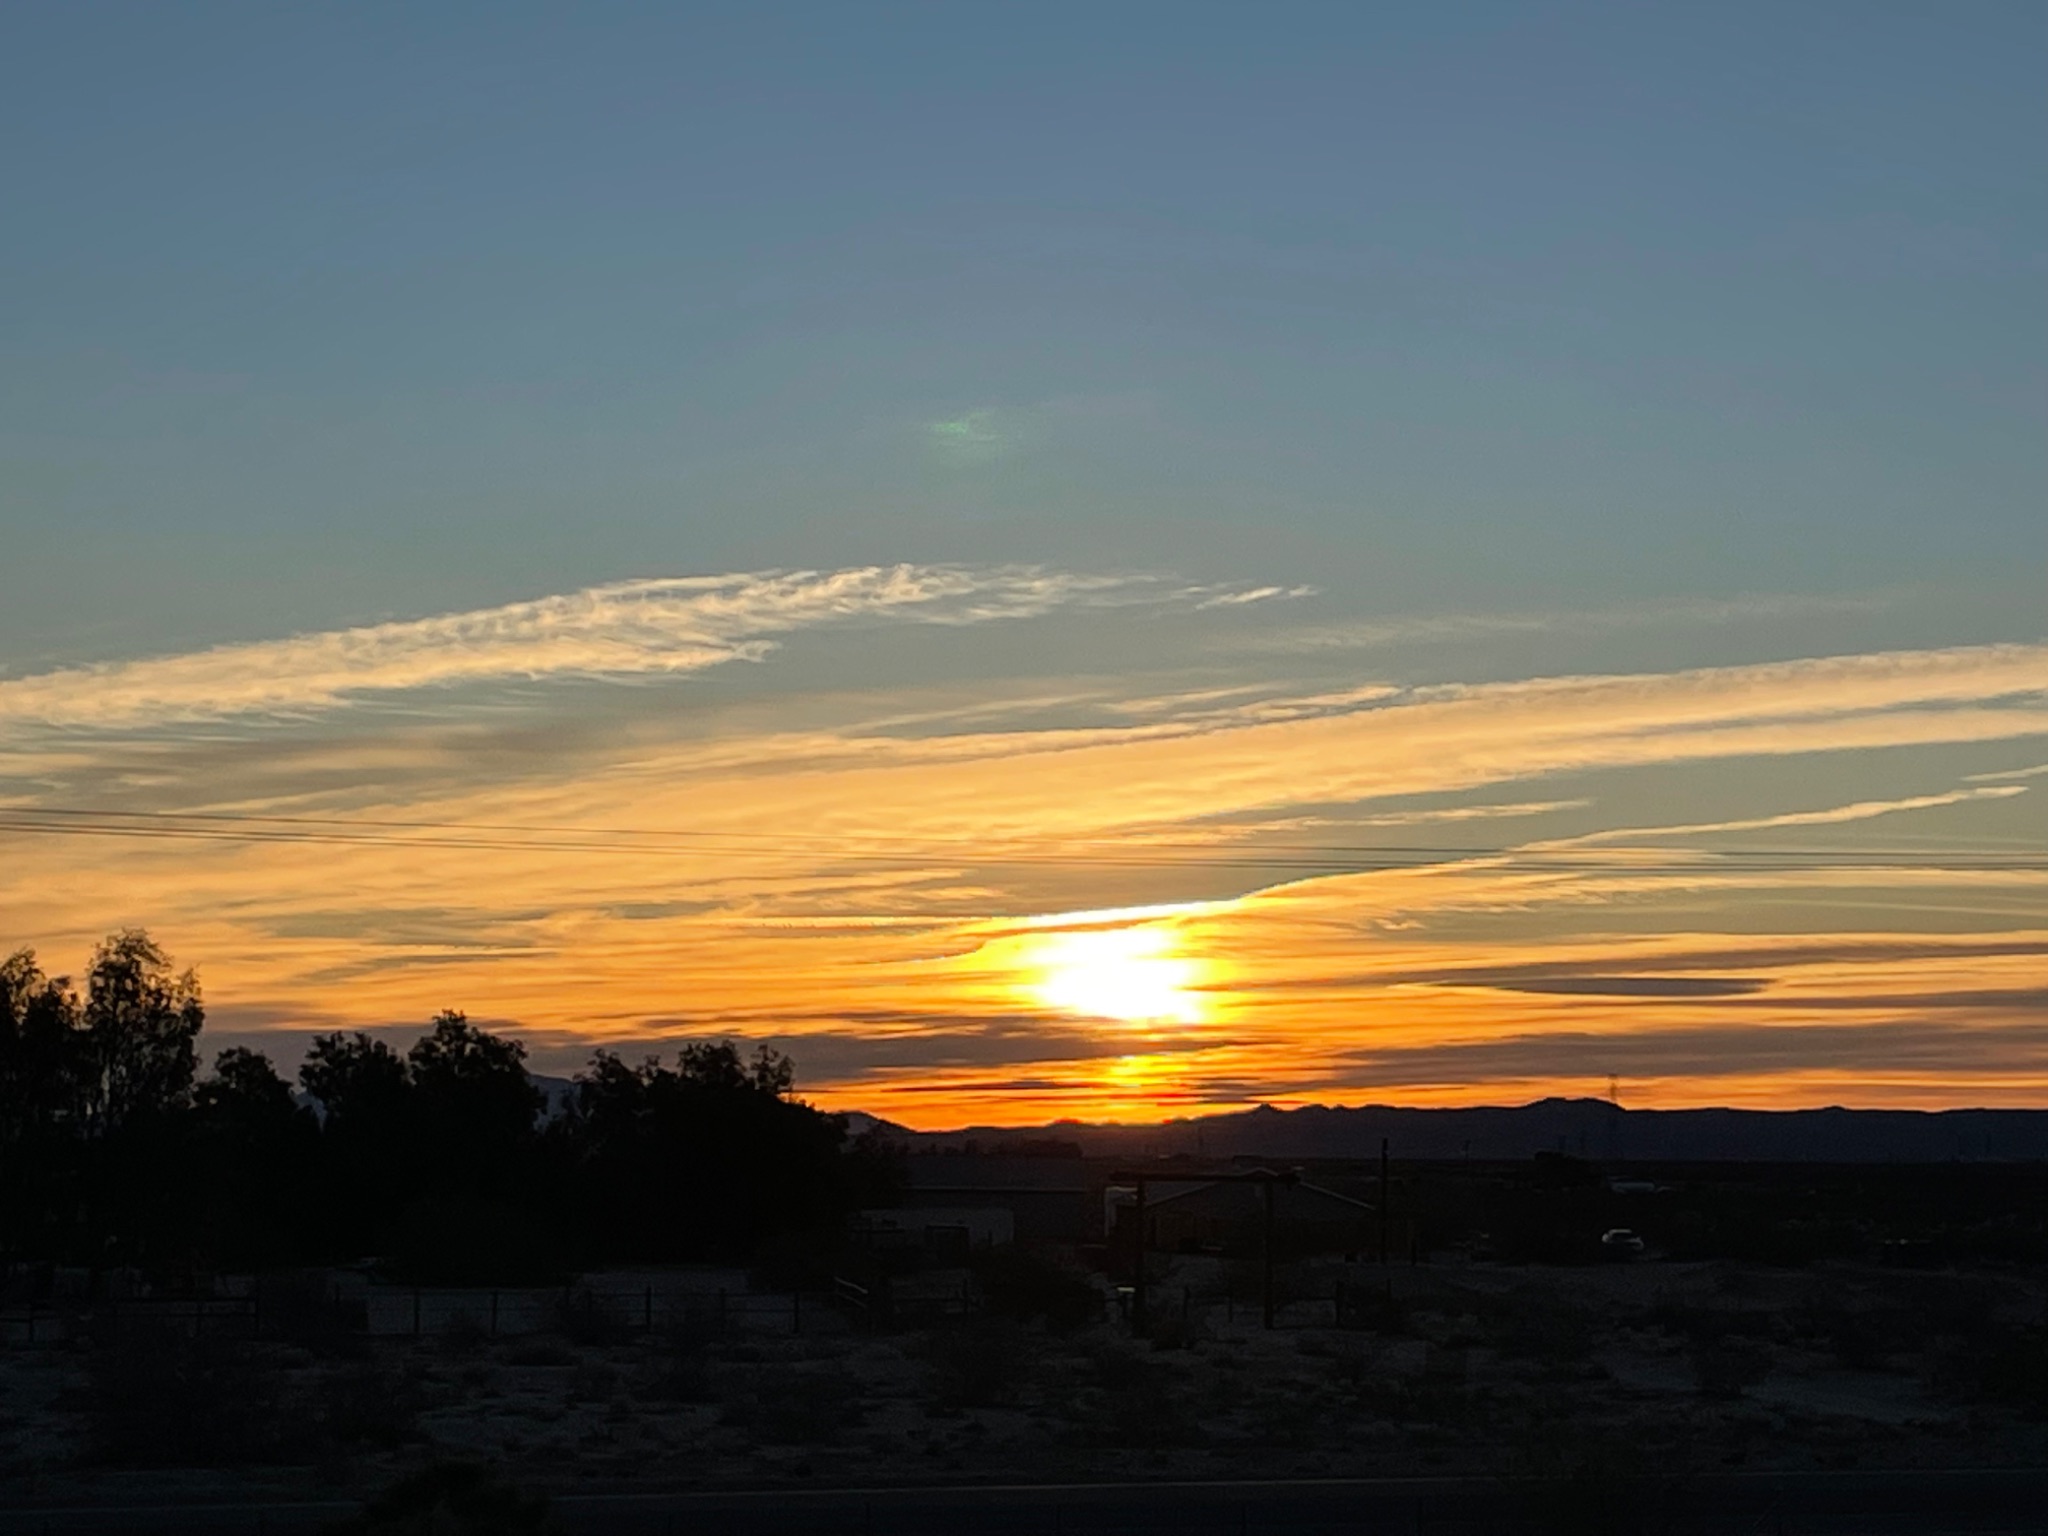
[(1648, 1396), (1825, 1504), (1787, 1350)]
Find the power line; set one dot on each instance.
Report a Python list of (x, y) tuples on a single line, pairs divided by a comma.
[(876, 848)]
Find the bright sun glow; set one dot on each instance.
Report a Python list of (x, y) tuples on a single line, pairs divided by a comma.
[(1135, 974)]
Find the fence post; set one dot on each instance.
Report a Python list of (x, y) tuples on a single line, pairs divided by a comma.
[(31, 1322), (415, 1311), (721, 1309), (647, 1309), (796, 1312), (494, 1314)]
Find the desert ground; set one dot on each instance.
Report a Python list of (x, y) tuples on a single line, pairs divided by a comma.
[(1640, 1370)]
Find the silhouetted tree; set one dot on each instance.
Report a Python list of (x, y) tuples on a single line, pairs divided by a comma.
[(368, 1150), (360, 1084), (253, 1153), (245, 1096), (41, 1062), (709, 1158), (474, 1096), (478, 1205), (435, 1159), (40, 1055), (141, 1022)]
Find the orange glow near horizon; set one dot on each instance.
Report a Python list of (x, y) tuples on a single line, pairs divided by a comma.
[(1135, 975), (949, 915)]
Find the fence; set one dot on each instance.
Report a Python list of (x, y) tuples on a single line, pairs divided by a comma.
[(388, 1311), (40, 1323)]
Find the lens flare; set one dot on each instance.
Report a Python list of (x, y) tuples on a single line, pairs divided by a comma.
[(1136, 975)]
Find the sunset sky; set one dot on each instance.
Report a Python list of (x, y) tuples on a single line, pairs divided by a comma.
[(1106, 561)]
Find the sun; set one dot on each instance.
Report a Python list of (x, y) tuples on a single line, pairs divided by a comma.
[(1133, 974)]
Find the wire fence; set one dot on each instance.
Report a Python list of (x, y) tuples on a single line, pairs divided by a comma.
[(396, 1311)]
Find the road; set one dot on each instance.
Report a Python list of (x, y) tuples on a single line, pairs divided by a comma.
[(1967, 1503)]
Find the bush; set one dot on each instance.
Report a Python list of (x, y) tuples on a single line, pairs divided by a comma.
[(585, 1319), (979, 1364), (807, 1408), (1993, 1365), (1175, 1327), (451, 1499), (161, 1399), (300, 1307), (682, 1368), (368, 1406), (1135, 1403), (1729, 1366), (1600, 1488), (1024, 1286)]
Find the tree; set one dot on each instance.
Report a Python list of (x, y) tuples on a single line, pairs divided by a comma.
[(474, 1094), (708, 1158), (252, 1149), (716, 1064), (245, 1097), (141, 1022), (360, 1084), (41, 1061)]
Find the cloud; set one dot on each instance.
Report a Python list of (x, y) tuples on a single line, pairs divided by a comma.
[(1445, 813), (1431, 741), (836, 865), (1369, 633), (1633, 986), (975, 437), (1255, 595), (1862, 810), (1786, 954), (1852, 1050), (2007, 773), (662, 625)]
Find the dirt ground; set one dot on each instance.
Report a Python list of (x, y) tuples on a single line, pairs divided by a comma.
[(1649, 1367)]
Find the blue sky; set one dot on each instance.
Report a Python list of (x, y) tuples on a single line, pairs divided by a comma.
[(1296, 350), (390, 309)]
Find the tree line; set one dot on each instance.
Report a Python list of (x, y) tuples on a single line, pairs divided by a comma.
[(440, 1161)]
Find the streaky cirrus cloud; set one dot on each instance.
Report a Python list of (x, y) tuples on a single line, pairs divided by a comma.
[(1367, 634), (1834, 815), (657, 625)]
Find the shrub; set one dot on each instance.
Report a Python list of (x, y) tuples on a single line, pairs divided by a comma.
[(451, 1499), (1601, 1488), (979, 1364), (300, 1307), (370, 1406), (463, 1337), (585, 1319), (1136, 1404), (1175, 1328), (1024, 1286), (161, 1399), (807, 1408), (1727, 1367)]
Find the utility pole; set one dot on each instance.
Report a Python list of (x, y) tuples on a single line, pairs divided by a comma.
[(1138, 1282), (1267, 1282), (1383, 1200)]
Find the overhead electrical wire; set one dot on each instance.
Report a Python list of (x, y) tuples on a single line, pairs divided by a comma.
[(897, 848)]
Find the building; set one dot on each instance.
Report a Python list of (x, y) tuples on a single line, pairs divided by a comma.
[(1049, 1199)]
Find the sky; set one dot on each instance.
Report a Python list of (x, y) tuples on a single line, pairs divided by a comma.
[(1056, 561)]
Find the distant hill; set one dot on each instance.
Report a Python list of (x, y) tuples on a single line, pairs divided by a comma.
[(1591, 1128)]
